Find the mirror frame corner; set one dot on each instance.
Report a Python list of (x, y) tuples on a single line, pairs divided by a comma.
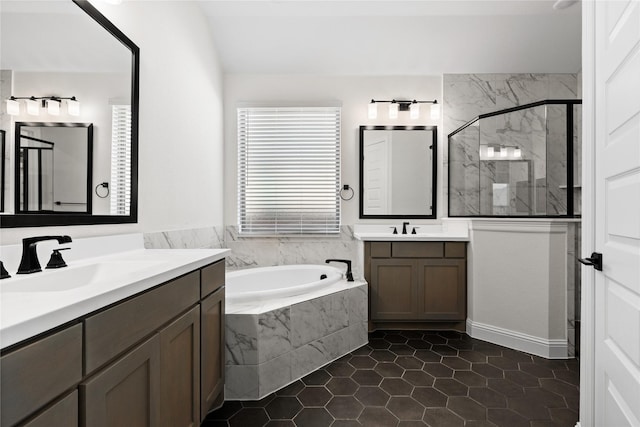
[(434, 166), (41, 220)]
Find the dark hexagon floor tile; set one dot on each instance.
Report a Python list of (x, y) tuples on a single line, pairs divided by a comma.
[(549, 363), (429, 397), (362, 362), (365, 350), (340, 369), (437, 370), (456, 363), (479, 423), (291, 390), (283, 408), (412, 334), (366, 377), (388, 369), (313, 417), (573, 402), (470, 378), (377, 417), (473, 356), (259, 403), (564, 416), (401, 350), (409, 362), (452, 335), (396, 386), (451, 387), (467, 408), (505, 387), (503, 363), (522, 378), (411, 423), (228, 409), (487, 397), (395, 338), (572, 365), (546, 423), (419, 344), (214, 423), (249, 417), (445, 350), (405, 408), (568, 376), (442, 417), (559, 387), (372, 396), (540, 396), (506, 418), (346, 423), (319, 377), (314, 396), (487, 349), (460, 345), (342, 386), (379, 344), (418, 378), (280, 423), (427, 356), (538, 371), (528, 409), (434, 338), (486, 370), (516, 355), (383, 355), (379, 333), (344, 407)]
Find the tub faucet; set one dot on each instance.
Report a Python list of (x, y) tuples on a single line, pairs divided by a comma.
[(349, 274), (29, 262), (404, 227)]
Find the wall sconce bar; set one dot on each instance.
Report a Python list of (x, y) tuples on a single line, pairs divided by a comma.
[(396, 105), (51, 103)]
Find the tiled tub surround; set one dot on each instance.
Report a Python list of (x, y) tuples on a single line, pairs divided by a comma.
[(270, 344)]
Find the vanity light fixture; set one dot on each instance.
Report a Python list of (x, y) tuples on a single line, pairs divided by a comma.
[(51, 103), (396, 105), (490, 151)]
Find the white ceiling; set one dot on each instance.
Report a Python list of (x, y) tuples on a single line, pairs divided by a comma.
[(416, 37)]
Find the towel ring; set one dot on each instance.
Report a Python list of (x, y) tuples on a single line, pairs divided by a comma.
[(345, 188), (104, 185)]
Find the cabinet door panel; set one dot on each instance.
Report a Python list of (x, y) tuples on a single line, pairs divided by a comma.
[(442, 289), (126, 393), (393, 289), (212, 346), (213, 277), (180, 371)]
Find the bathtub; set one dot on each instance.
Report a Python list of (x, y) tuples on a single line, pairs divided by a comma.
[(260, 284), (284, 322)]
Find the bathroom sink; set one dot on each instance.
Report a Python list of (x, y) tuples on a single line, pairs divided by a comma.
[(76, 277)]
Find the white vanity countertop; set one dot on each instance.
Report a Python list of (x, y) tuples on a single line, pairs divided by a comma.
[(34, 303), (454, 232)]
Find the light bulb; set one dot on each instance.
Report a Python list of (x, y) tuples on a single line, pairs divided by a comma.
[(490, 152), (33, 107), (435, 111), (393, 110), (13, 107), (73, 107), (503, 152), (517, 152), (53, 107), (414, 110), (373, 110)]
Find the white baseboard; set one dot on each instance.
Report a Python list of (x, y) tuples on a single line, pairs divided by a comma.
[(549, 349)]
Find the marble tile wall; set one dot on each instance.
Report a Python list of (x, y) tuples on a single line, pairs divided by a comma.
[(468, 95), (194, 238), (267, 351)]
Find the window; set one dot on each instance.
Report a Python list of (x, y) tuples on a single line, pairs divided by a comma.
[(289, 170), (120, 159)]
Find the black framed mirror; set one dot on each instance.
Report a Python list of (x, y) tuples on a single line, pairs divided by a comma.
[(53, 168), (85, 56), (398, 171)]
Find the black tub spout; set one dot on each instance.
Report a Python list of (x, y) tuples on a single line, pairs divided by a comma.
[(349, 274)]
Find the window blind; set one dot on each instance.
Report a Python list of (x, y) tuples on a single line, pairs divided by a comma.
[(120, 159), (289, 170)]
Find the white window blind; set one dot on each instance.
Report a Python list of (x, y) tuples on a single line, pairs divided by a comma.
[(289, 170), (120, 159)]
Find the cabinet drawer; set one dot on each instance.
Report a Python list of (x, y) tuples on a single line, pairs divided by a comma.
[(62, 414), (380, 249), (417, 249), (213, 277), (37, 373), (112, 331), (455, 250)]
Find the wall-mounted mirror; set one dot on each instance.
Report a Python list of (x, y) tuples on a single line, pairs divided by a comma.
[(75, 52), (2, 167), (398, 171), (54, 167)]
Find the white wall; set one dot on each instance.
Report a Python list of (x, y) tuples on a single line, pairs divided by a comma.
[(181, 150), (353, 93)]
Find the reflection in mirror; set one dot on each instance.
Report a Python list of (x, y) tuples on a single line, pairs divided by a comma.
[(398, 171), (84, 56), (54, 167)]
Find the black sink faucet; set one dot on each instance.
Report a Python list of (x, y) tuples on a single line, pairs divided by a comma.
[(29, 262), (349, 274), (404, 227)]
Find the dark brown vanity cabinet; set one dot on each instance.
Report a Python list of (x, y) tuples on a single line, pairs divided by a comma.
[(416, 282), (154, 359)]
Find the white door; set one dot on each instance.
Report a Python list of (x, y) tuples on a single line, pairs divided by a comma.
[(376, 171), (617, 213)]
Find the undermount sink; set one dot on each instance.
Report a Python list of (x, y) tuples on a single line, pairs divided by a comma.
[(71, 278)]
